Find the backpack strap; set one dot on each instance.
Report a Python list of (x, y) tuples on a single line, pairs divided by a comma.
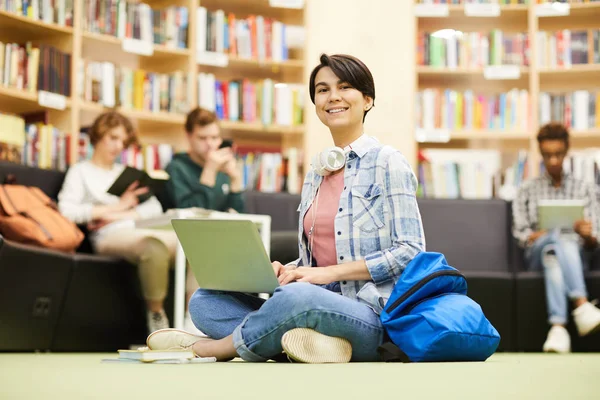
[(389, 352)]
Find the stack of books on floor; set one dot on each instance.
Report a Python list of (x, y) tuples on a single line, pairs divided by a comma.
[(147, 356)]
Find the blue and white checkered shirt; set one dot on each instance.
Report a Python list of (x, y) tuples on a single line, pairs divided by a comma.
[(379, 221)]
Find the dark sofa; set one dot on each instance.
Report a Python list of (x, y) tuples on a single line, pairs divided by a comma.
[(85, 302)]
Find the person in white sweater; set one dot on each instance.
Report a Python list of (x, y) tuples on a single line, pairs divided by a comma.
[(111, 219)]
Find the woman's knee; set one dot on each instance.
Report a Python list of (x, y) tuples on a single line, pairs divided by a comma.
[(153, 249), (299, 297)]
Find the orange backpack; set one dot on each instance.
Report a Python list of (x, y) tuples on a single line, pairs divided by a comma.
[(28, 216)]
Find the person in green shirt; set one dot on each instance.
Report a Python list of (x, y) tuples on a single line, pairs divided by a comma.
[(206, 176)]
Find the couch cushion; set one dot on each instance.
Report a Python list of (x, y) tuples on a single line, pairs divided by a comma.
[(280, 206), (50, 181), (472, 234)]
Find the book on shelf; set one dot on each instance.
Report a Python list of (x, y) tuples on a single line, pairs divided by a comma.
[(254, 37), (469, 110), (453, 48), (128, 19), (584, 164), (51, 12), (266, 101), (564, 48), (30, 68), (270, 170), (467, 174), (111, 85), (579, 110), (31, 141)]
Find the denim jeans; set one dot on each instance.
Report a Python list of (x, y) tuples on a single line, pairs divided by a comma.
[(258, 325), (563, 262)]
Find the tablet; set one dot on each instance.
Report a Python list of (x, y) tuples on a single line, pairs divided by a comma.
[(560, 214), (127, 177)]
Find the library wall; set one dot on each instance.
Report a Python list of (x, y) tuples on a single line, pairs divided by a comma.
[(381, 33)]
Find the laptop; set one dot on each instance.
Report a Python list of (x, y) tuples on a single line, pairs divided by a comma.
[(226, 255), (560, 214)]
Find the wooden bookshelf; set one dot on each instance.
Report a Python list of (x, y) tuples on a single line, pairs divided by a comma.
[(156, 127), (533, 78)]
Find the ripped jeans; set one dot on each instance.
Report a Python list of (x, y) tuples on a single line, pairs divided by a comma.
[(563, 261)]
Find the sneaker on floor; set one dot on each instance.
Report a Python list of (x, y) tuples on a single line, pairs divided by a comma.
[(309, 346), (558, 340), (188, 325), (587, 319), (157, 321), (172, 339)]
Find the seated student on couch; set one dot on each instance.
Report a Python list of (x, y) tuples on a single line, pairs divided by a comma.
[(205, 176), (359, 226), (561, 257), (84, 200)]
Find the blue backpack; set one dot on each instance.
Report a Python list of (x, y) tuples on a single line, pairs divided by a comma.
[(429, 316)]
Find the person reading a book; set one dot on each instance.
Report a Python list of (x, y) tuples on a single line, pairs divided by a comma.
[(359, 226), (562, 255), (110, 219), (206, 176)]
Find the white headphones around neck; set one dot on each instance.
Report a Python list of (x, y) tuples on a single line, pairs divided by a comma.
[(329, 160)]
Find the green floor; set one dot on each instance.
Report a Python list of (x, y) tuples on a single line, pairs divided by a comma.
[(504, 376)]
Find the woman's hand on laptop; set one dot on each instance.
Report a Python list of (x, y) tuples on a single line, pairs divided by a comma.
[(279, 268), (317, 276)]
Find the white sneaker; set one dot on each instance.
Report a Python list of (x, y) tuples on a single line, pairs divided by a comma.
[(188, 325), (172, 339), (558, 340), (587, 319), (309, 346), (157, 321)]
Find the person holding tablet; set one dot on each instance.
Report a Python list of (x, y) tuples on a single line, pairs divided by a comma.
[(561, 255), (84, 199), (359, 226)]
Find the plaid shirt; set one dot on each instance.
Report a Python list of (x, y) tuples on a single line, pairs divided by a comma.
[(525, 217), (378, 221)]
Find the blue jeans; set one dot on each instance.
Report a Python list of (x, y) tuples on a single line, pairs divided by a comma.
[(258, 325), (563, 261)]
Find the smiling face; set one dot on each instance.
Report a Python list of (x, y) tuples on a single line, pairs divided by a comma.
[(338, 104)]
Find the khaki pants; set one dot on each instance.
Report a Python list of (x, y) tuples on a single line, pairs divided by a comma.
[(153, 251)]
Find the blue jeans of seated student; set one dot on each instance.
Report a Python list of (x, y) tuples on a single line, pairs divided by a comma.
[(258, 325), (563, 273)]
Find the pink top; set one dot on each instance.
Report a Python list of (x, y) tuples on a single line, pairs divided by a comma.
[(323, 240)]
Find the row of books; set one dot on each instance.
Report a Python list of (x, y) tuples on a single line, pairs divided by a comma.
[(452, 48), (468, 110), (34, 144), (30, 68), (270, 172), (479, 174), (129, 19), (112, 85), (244, 100), (255, 37), (50, 11), (568, 47), (579, 110)]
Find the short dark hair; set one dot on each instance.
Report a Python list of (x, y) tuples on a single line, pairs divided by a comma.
[(553, 131), (349, 69), (199, 117)]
